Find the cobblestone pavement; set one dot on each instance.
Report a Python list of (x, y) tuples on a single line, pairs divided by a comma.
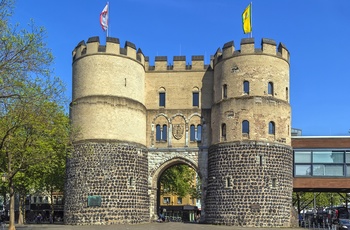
[(150, 226)]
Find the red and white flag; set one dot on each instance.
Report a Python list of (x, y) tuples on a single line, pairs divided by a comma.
[(104, 18)]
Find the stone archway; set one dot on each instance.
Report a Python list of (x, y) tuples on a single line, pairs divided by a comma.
[(162, 161)]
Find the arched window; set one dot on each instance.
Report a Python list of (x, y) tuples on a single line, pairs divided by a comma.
[(271, 127), (164, 133), (195, 133), (192, 133), (287, 94), (246, 87), (245, 126), (161, 133), (199, 133), (223, 131), (162, 97), (270, 88), (224, 91), (195, 99), (158, 133)]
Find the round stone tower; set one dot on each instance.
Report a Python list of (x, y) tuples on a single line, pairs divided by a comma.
[(108, 167), (250, 161)]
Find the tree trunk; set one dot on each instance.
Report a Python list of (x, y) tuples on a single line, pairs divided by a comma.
[(20, 210), (12, 206), (52, 219)]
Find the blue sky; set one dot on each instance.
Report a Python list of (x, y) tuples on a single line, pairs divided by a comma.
[(316, 32)]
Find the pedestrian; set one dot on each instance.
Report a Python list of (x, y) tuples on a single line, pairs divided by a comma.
[(161, 217), (2, 222)]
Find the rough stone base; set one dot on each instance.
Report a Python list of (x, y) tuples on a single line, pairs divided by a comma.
[(249, 184), (116, 173)]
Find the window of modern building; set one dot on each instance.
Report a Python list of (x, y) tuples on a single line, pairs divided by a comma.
[(223, 132), (328, 157), (246, 87), (224, 91), (321, 163), (302, 156), (245, 126), (272, 127), (195, 99), (270, 88), (162, 99), (302, 170), (327, 170), (179, 200), (166, 200)]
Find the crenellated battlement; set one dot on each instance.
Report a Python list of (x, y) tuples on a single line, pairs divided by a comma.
[(112, 47), (268, 47), (179, 63)]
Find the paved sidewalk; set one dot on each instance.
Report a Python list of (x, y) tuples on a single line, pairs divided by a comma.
[(150, 226)]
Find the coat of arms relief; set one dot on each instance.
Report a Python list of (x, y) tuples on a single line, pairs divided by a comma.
[(178, 125)]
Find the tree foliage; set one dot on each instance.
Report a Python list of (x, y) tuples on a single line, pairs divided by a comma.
[(180, 180), (34, 128), (307, 200)]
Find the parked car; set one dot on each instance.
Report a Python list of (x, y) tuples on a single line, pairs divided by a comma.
[(343, 224)]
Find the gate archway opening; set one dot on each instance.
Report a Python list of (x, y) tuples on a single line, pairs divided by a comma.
[(178, 191)]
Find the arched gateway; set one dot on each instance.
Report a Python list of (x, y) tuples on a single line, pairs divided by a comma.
[(229, 120)]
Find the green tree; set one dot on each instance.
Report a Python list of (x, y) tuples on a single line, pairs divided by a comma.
[(179, 180), (307, 200), (31, 112)]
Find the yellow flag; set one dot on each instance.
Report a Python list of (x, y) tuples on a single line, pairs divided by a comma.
[(247, 19)]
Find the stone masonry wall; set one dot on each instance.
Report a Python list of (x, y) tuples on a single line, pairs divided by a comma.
[(249, 184), (117, 172)]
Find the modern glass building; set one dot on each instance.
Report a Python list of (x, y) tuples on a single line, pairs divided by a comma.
[(321, 163)]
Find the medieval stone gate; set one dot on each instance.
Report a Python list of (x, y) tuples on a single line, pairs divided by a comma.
[(230, 120)]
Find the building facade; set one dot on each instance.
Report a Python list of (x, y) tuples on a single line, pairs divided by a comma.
[(228, 120)]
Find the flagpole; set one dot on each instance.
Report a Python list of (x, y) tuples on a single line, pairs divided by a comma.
[(251, 19), (107, 19)]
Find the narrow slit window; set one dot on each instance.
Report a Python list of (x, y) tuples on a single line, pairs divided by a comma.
[(246, 87), (224, 91), (162, 99), (195, 99), (270, 88), (223, 132), (274, 183), (272, 127), (245, 126)]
